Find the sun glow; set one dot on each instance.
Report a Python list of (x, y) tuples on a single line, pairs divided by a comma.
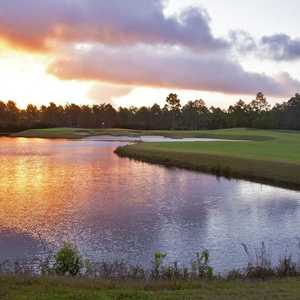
[(24, 79)]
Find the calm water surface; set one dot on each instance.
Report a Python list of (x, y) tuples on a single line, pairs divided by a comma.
[(114, 208)]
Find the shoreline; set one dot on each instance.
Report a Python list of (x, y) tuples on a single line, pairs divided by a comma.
[(152, 139), (81, 133), (262, 156), (220, 166)]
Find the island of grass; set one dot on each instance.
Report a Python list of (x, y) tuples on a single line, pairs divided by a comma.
[(15, 288), (70, 133), (79, 133), (271, 157), (266, 156)]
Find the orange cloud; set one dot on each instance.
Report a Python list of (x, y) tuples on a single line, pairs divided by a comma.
[(35, 24)]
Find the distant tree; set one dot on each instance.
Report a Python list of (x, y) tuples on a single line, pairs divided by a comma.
[(86, 118), (258, 111), (31, 115), (156, 117), (72, 113), (195, 115), (259, 104), (173, 102), (50, 115), (126, 117), (239, 114), (173, 105), (3, 120), (12, 113), (109, 116), (218, 118), (291, 119)]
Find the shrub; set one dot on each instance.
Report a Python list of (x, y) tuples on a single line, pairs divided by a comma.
[(68, 261), (261, 268), (286, 267), (201, 266), (235, 274), (157, 264)]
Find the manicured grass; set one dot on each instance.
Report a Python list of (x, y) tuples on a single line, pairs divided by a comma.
[(63, 133), (77, 133), (67, 289), (269, 156)]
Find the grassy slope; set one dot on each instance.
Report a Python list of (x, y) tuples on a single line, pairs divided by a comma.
[(81, 132), (271, 156), (65, 133), (63, 289), (268, 156), (77, 133)]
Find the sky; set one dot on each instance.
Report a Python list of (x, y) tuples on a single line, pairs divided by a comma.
[(136, 52)]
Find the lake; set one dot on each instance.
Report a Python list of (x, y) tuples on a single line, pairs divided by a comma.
[(115, 208)]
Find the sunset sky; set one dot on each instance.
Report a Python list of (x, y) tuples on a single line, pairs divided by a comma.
[(135, 52)]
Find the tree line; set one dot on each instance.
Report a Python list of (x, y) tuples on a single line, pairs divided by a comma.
[(194, 115)]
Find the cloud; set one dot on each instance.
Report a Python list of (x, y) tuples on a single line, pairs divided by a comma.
[(280, 47), (40, 24), (277, 47), (135, 43), (168, 68), (104, 93), (242, 41)]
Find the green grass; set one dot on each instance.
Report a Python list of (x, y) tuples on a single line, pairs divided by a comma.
[(267, 156), (70, 289), (77, 133), (62, 133)]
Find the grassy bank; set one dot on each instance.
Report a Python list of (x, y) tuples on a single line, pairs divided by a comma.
[(268, 156), (57, 133), (78, 133), (14, 288)]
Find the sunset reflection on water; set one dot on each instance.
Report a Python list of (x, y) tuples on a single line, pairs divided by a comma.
[(80, 191)]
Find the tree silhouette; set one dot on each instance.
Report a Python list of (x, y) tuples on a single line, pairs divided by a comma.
[(194, 115), (173, 105)]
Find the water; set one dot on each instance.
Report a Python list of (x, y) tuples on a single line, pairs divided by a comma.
[(153, 138), (116, 208)]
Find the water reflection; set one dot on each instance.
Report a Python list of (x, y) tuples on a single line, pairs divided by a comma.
[(116, 208)]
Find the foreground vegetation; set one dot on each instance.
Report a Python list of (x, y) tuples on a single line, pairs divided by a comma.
[(67, 276), (26, 288), (264, 156)]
